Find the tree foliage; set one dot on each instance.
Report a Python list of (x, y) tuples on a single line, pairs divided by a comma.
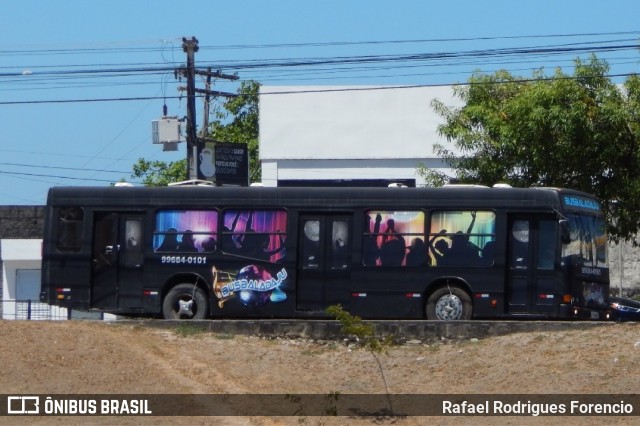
[(160, 173), (577, 131)]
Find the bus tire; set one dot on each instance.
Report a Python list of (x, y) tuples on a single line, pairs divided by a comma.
[(448, 304), (185, 302)]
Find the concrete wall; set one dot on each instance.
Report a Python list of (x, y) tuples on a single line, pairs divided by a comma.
[(624, 269), (21, 222)]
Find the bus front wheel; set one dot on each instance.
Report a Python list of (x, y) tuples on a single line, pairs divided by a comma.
[(185, 301), (449, 303)]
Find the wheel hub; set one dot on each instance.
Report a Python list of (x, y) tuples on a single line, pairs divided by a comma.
[(449, 307), (185, 308)]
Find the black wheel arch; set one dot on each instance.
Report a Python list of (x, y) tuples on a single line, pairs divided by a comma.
[(444, 282), (186, 278)]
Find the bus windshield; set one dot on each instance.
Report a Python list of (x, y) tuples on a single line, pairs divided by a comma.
[(588, 240)]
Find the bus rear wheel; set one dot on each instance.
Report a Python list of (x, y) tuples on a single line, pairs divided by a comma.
[(185, 301), (449, 303)]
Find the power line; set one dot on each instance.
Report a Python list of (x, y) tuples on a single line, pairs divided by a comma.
[(57, 154), (61, 168), (583, 47), (139, 49), (66, 101), (342, 89), (58, 177), (318, 67)]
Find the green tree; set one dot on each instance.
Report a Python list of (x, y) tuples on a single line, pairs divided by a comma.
[(577, 131), (237, 121), (160, 173)]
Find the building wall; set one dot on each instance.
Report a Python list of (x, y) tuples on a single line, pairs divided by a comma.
[(391, 169), (316, 133), (19, 222), (16, 254)]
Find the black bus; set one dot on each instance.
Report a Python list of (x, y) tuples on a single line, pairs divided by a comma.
[(456, 252)]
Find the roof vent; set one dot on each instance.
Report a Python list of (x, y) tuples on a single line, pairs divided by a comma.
[(463, 185), (192, 182)]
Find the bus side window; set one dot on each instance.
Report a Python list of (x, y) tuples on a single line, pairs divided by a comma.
[(133, 236), (186, 231), (340, 244), (69, 233), (519, 243), (547, 244), (255, 234), (462, 238), (394, 238), (311, 245)]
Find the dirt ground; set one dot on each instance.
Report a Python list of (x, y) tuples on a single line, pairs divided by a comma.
[(77, 357)]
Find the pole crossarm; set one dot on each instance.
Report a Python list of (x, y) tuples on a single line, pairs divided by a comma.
[(216, 74), (210, 92)]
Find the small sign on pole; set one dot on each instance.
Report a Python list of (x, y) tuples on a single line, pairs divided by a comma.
[(232, 164), (224, 163)]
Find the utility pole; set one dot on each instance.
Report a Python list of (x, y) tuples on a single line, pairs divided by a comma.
[(190, 47), (207, 103), (195, 145)]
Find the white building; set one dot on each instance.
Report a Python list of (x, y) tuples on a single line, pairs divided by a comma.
[(21, 281), (329, 134)]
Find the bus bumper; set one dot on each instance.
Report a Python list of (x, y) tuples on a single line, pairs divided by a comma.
[(590, 314)]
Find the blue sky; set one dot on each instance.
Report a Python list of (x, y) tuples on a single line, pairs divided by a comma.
[(64, 64)]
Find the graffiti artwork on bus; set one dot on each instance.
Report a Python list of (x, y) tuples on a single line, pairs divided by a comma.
[(253, 285)]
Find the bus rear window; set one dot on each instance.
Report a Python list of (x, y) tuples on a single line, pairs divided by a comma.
[(69, 232)]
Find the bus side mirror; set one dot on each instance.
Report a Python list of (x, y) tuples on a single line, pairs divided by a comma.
[(565, 236)]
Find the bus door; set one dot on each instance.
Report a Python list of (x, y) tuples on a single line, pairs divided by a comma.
[(324, 261), (116, 280), (532, 252)]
